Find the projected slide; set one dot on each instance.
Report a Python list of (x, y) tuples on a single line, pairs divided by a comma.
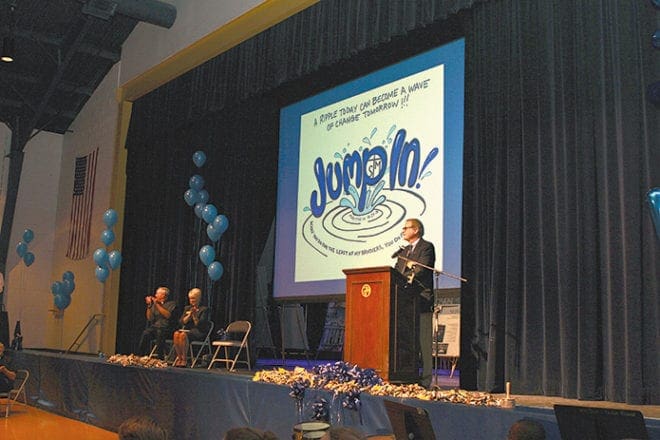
[(358, 160)]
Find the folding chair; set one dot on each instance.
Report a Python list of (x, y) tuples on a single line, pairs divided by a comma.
[(12, 395), (168, 343), (236, 328), (206, 343)]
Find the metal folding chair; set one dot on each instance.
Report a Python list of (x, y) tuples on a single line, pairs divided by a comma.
[(240, 344), (206, 343), (168, 343), (15, 393)]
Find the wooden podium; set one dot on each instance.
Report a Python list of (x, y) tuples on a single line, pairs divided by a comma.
[(381, 323)]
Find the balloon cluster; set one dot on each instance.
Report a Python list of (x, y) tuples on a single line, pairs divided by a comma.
[(106, 261), (351, 400), (298, 394), (653, 200), (298, 389), (321, 410), (343, 372), (62, 290), (197, 197), (22, 248)]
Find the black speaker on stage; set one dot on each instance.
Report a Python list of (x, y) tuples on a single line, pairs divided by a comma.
[(581, 422), (4, 328)]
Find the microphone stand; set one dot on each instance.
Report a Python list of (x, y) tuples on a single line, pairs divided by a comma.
[(435, 271), (436, 311)]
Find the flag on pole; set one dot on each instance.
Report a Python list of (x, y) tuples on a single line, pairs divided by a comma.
[(81, 206)]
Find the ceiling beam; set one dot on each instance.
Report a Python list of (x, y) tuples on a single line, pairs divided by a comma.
[(57, 77), (14, 103), (96, 51), (153, 12)]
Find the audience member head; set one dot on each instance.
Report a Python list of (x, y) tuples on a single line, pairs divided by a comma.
[(526, 429), (195, 296), (2, 348), (246, 433), (141, 428), (343, 433)]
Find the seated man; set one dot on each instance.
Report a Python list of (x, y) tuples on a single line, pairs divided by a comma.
[(7, 376), (159, 312)]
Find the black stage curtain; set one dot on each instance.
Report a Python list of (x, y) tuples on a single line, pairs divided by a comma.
[(561, 146), (557, 247)]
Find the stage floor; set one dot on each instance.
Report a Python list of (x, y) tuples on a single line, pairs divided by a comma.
[(205, 403), (446, 381)]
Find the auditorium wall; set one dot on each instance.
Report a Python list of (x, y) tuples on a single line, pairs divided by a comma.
[(45, 194)]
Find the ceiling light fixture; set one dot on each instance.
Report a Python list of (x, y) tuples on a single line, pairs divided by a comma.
[(8, 42), (7, 49)]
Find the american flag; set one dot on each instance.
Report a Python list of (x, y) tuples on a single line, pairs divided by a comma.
[(81, 206)]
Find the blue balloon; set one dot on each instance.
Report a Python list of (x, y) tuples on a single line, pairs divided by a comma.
[(101, 273), (212, 233), (191, 196), (56, 288), (207, 254), (221, 223), (203, 196), (215, 270), (114, 258), (68, 275), (62, 301), (21, 249), (28, 259), (28, 235), (209, 213), (68, 286), (199, 158), (199, 208), (107, 237), (196, 182), (101, 257), (110, 217), (653, 199)]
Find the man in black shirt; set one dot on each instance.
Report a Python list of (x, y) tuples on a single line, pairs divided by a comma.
[(159, 312), (7, 376)]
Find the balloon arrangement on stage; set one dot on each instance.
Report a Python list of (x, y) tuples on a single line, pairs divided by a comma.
[(22, 248), (107, 261), (197, 197), (62, 290)]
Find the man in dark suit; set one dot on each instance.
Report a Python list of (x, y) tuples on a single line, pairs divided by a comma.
[(411, 262)]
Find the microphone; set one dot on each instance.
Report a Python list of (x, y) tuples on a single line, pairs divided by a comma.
[(411, 277), (398, 251)]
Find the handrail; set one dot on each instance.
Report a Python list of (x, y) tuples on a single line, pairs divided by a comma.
[(94, 317)]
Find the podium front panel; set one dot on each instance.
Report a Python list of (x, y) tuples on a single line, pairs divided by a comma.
[(380, 324), (367, 322)]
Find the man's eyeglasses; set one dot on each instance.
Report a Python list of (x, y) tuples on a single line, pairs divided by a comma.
[(407, 227)]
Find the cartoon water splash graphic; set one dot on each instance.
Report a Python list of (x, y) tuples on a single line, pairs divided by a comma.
[(373, 199), (365, 192)]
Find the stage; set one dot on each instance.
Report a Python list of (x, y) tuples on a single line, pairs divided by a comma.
[(203, 404)]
